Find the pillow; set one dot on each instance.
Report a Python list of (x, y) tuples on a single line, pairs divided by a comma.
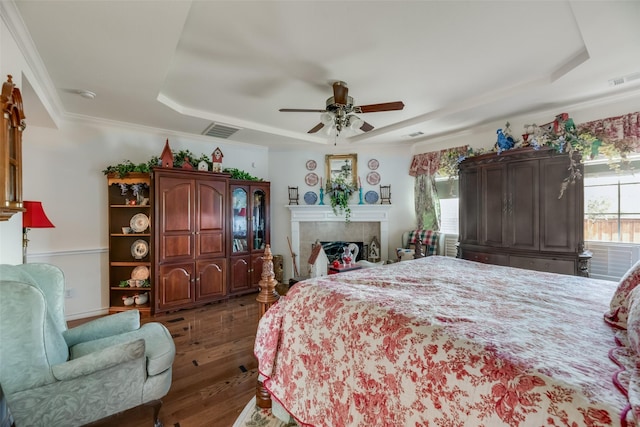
[(618, 307), (428, 238), (633, 319)]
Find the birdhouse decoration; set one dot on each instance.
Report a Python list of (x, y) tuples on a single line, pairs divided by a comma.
[(216, 158), (187, 164), (318, 261), (167, 156), (374, 250)]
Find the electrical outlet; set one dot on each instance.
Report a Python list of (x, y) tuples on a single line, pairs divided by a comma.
[(68, 293)]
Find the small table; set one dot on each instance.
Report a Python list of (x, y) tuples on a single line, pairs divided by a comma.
[(342, 268)]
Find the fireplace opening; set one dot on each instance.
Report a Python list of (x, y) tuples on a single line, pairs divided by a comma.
[(334, 250)]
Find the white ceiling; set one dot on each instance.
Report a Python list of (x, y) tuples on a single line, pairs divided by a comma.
[(181, 65)]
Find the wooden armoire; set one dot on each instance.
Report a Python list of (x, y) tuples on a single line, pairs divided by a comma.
[(512, 214)]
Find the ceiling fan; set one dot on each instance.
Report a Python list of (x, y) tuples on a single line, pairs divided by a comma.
[(340, 112)]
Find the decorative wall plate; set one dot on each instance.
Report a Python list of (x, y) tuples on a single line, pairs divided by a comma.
[(311, 165), (371, 197), (140, 273), (310, 198), (373, 164), (373, 178), (311, 179), (139, 222), (139, 249)]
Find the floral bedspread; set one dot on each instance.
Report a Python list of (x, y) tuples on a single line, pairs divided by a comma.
[(440, 341)]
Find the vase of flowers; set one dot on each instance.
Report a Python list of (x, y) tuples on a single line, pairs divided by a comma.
[(339, 190)]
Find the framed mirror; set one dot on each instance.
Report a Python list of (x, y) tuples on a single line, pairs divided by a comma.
[(342, 164)]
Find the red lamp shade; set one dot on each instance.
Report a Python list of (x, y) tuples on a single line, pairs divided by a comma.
[(243, 212), (35, 217)]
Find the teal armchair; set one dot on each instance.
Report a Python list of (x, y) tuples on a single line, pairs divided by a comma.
[(54, 376)]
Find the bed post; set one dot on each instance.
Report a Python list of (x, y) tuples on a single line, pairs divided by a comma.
[(266, 298), (268, 295)]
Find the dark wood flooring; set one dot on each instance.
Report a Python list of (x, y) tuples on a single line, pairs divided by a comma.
[(214, 372)]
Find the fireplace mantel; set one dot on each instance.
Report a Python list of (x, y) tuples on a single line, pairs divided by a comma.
[(324, 213)]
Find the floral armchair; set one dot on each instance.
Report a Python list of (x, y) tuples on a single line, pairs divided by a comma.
[(54, 376)]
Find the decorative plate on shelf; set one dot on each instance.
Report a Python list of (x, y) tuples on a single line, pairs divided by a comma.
[(311, 165), (139, 249), (373, 178), (310, 198), (373, 164), (139, 222), (140, 273), (311, 179), (371, 197)]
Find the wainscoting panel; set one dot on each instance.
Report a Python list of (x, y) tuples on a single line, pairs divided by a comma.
[(86, 275)]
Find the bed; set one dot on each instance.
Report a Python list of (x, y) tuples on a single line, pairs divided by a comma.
[(440, 341)]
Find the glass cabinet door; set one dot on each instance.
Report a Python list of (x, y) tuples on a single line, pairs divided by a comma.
[(258, 219), (240, 220)]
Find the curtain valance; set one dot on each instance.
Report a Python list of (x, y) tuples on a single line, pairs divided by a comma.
[(623, 132), (429, 163)]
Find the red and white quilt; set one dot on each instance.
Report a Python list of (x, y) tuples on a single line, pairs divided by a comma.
[(440, 341)]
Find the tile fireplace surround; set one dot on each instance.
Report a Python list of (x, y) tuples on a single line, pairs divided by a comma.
[(318, 222)]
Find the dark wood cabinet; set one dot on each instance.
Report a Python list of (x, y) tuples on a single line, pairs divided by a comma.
[(130, 257), (190, 237), (250, 233), (511, 212)]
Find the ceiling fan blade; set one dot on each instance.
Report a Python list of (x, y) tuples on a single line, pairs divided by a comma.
[(300, 110), (373, 108), (316, 128), (366, 127), (340, 93)]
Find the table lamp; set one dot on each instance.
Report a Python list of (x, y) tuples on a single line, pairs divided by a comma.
[(33, 217)]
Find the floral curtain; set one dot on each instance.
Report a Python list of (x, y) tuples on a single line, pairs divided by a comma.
[(622, 132), (424, 167)]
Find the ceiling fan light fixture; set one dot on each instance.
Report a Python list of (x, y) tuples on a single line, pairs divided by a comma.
[(355, 122), (326, 118)]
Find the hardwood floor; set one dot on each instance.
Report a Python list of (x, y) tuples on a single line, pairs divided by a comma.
[(214, 372)]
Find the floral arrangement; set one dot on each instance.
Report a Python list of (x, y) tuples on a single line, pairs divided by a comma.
[(339, 190), (615, 138)]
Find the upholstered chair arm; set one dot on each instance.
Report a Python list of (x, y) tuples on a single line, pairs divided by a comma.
[(103, 327), (94, 362)]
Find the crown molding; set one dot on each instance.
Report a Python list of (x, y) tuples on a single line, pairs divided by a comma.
[(36, 72)]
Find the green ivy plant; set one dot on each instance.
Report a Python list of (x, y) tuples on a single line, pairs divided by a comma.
[(127, 166), (339, 190), (239, 174), (179, 157)]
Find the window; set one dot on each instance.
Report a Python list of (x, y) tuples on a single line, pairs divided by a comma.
[(448, 195), (611, 203)]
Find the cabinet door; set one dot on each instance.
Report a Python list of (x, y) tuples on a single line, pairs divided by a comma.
[(494, 205), (240, 279), (175, 286), (469, 206), (240, 220), (211, 279), (522, 205), (176, 221), (256, 270), (559, 216), (210, 218), (259, 223)]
